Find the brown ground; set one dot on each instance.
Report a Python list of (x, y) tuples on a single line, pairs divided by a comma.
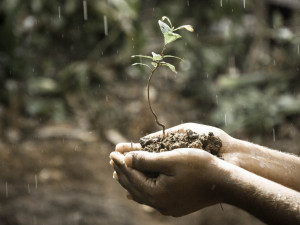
[(60, 174)]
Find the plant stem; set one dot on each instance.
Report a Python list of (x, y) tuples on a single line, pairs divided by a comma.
[(149, 103)]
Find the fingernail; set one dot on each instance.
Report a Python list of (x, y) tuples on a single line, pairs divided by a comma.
[(115, 175), (111, 162), (128, 160)]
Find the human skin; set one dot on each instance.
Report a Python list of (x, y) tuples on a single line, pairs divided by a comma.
[(191, 179), (282, 168)]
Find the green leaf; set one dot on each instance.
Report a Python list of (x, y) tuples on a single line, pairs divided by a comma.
[(172, 56), (141, 64), (164, 27), (187, 27), (167, 18), (142, 56), (170, 37), (172, 67), (156, 57)]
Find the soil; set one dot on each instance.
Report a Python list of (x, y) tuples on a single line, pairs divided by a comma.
[(188, 139)]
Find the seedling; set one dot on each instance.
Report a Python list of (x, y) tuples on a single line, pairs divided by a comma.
[(158, 59)]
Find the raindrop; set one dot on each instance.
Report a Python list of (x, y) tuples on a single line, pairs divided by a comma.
[(28, 187), (36, 181), (298, 49), (225, 119), (279, 195), (207, 75), (6, 189), (105, 25), (106, 98), (274, 138), (59, 12), (85, 16), (221, 3), (217, 99), (188, 3), (244, 4)]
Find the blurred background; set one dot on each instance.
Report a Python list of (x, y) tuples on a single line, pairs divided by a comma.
[(68, 94)]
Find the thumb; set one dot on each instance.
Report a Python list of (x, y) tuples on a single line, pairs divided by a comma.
[(148, 161)]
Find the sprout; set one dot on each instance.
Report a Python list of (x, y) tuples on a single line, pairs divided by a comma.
[(158, 59)]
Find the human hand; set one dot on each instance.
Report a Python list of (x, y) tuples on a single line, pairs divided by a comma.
[(188, 179)]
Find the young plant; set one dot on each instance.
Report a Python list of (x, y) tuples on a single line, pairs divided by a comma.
[(158, 60)]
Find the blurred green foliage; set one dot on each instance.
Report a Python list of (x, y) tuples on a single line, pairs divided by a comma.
[(48, 51)]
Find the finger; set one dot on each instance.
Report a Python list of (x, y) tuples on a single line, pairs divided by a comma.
[(149, 161), (111, 162), (134, 188), (115, 176), (127, 147)]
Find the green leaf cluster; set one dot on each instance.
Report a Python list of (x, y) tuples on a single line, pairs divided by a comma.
[(169, 37)]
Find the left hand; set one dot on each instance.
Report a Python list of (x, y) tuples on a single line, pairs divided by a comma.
[(188, 179)]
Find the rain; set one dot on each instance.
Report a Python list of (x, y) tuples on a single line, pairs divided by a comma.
[(105, 25), (69, 95), (85, 12)]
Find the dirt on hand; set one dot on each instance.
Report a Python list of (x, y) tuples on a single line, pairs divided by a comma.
[(188, 139)]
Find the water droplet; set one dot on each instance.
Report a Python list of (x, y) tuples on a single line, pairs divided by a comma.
[(188, 3), (279, 195), (221, 3), (244, 4), (36, 181), (59, 12), (105, 25), (225, 119), (6, 189), (274, 138), (298, 49), (85, 16)]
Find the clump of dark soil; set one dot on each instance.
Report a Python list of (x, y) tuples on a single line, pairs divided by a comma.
[(188, 139)]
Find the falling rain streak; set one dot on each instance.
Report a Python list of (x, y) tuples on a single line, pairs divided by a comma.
[(85, 16), (221, 3), (298, 50), (36, 181), (225, 119), (6, 189), (274, 138), (244, 4), (59, 12), (105, 25)]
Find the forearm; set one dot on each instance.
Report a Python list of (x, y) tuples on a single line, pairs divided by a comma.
[(267, 200), (282, 168)]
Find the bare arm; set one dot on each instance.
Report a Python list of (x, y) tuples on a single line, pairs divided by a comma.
[(265, 199), (274, 165)]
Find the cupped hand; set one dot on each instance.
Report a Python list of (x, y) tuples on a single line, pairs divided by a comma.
[(187, 179)]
